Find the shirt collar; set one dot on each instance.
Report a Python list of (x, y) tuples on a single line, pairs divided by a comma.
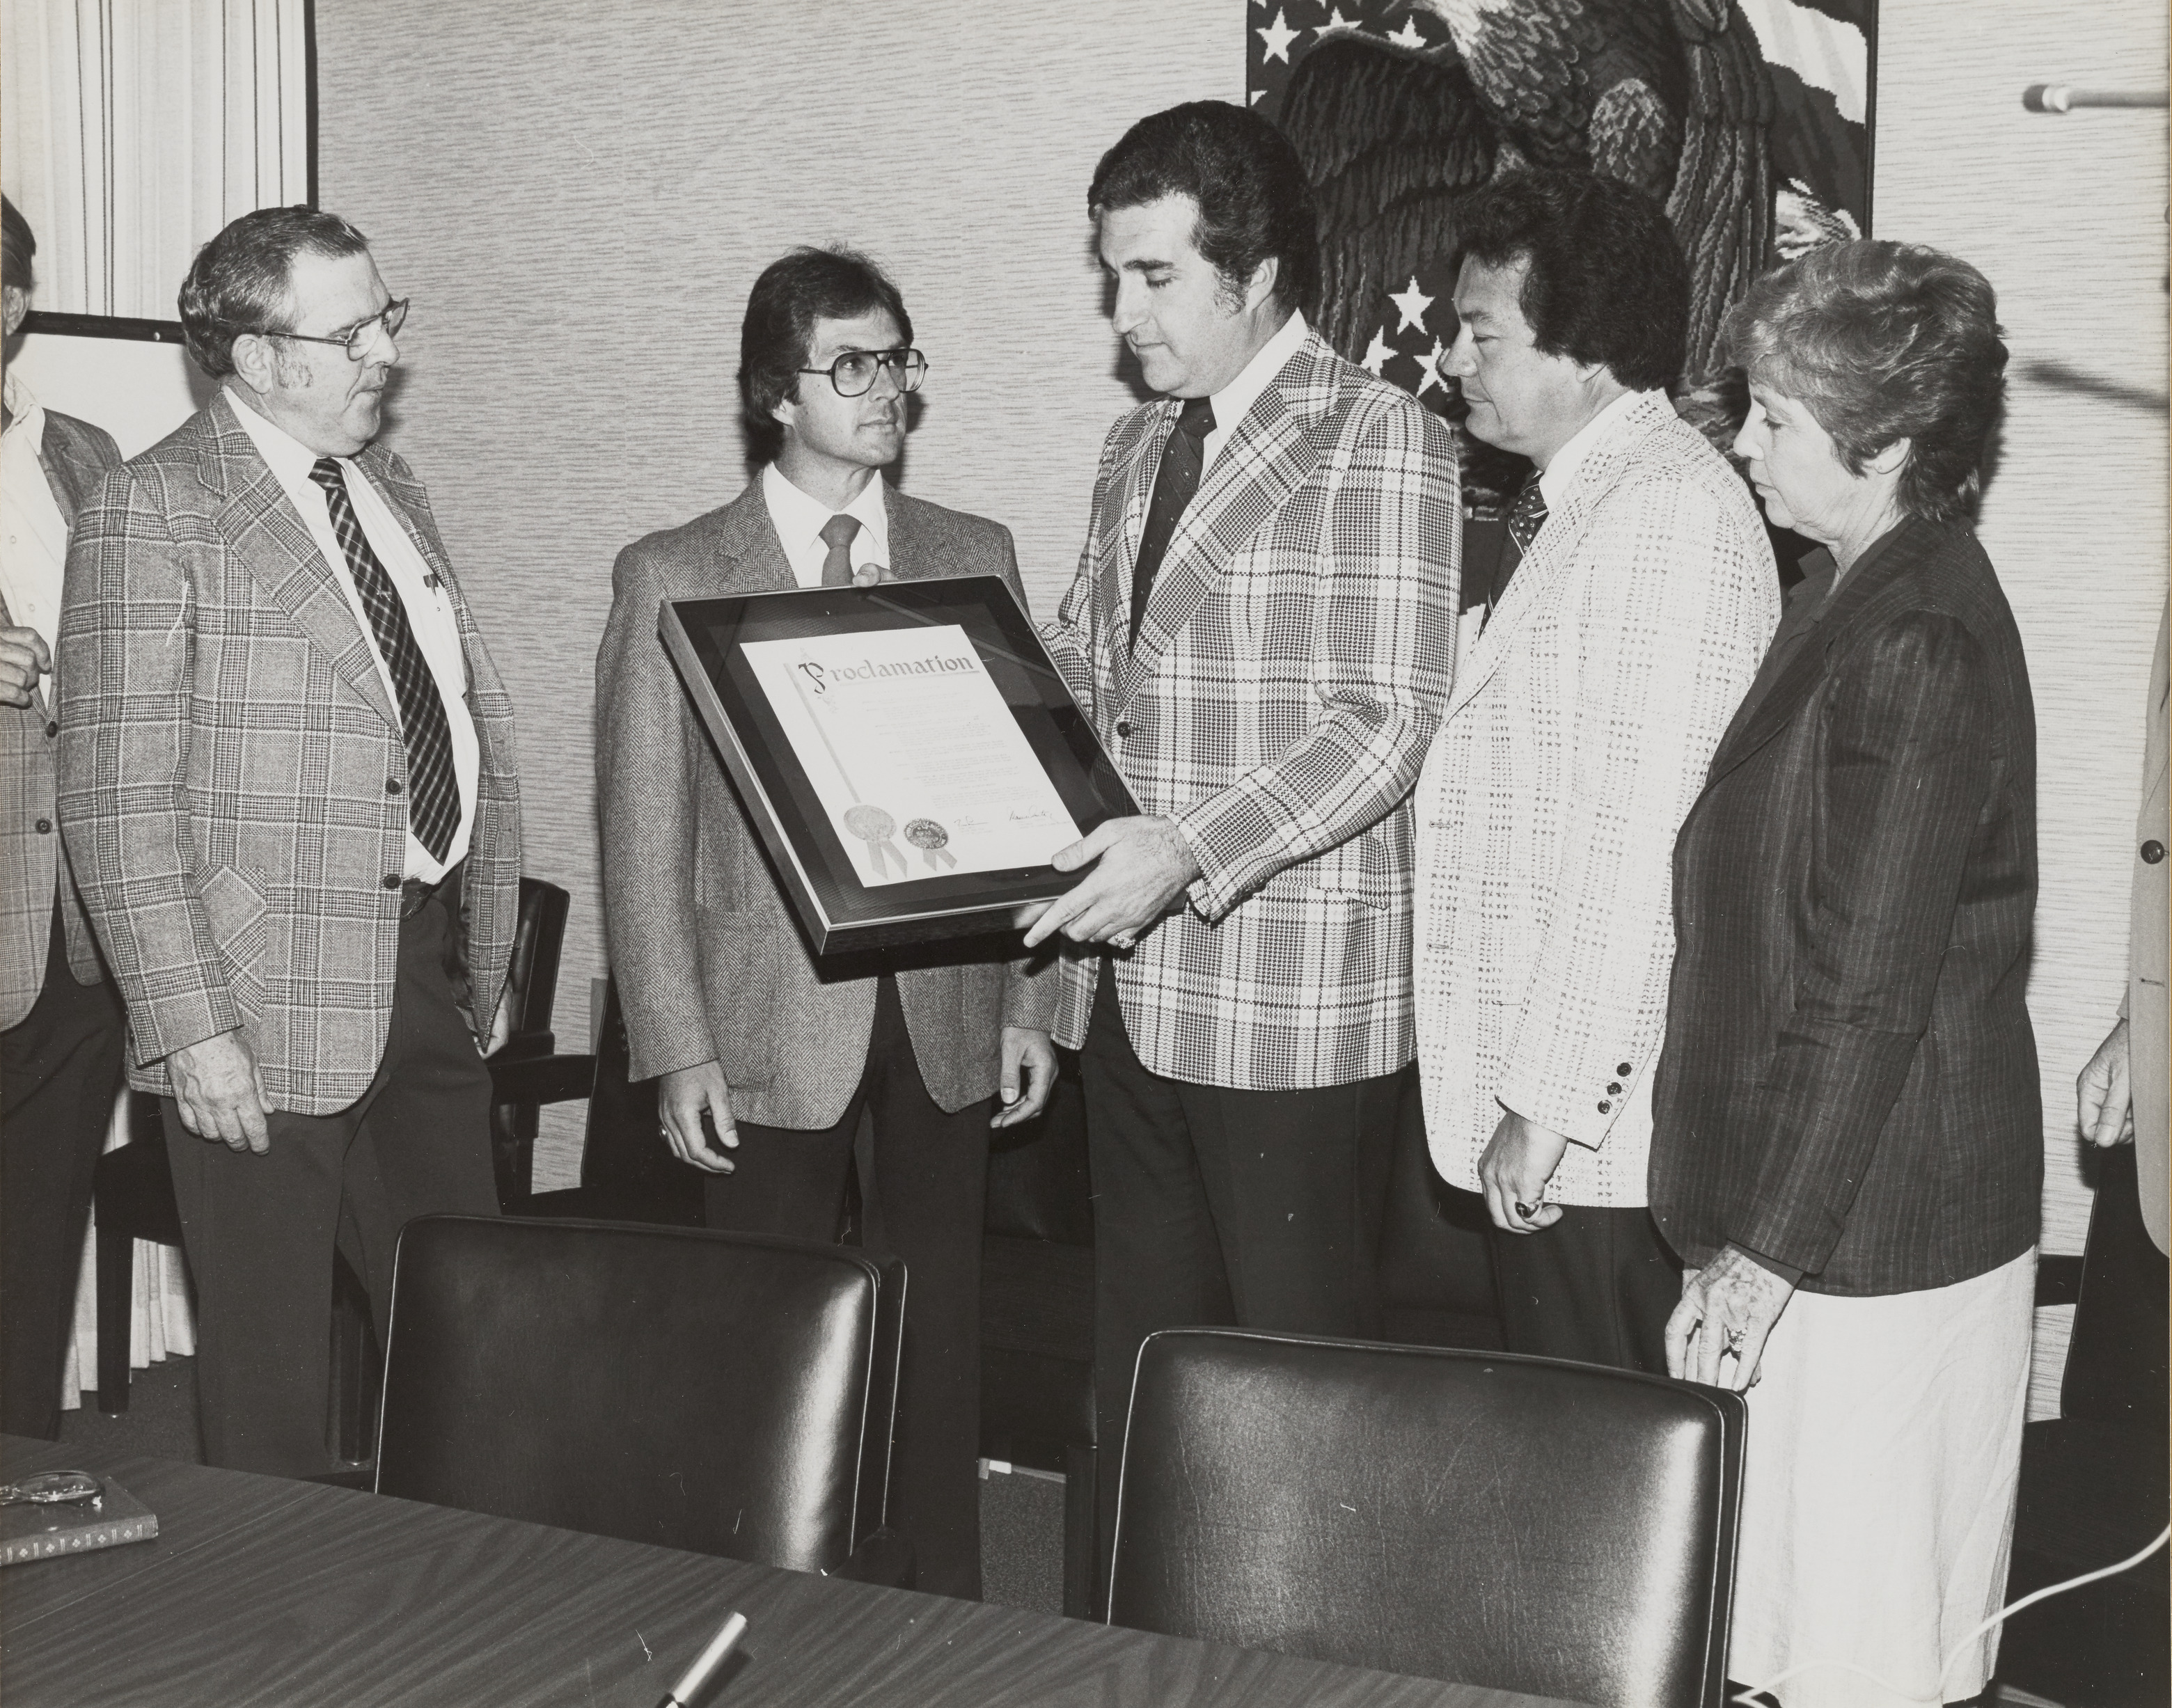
[(800, 518), (1559, 473), (1236, 398), (289, 459), (27, 415)]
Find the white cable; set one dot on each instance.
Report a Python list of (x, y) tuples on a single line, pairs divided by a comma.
[(1752, 1692)]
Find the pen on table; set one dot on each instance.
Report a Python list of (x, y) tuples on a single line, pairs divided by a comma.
[(697, 1676)]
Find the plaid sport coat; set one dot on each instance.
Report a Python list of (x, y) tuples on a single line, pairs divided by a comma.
[(1288, 675), (1577, 737), (711, 963), (227, 759), (32, 865)]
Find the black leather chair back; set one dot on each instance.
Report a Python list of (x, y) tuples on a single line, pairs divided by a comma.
[(726, 1393), (1519, 1523), (532, 974)]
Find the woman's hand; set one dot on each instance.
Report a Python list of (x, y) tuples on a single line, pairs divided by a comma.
[(1717, 1333)]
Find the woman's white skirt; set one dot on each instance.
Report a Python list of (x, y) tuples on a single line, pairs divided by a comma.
[(1879, 1479)]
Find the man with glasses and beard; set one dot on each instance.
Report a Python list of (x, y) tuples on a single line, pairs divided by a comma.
[(286, 784), (768, 1058)]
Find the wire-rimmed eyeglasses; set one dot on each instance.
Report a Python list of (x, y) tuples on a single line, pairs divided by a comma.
[(357, 339), (854, 372)]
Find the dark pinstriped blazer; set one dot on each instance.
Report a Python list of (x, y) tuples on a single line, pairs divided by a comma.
[(1849, 1082)]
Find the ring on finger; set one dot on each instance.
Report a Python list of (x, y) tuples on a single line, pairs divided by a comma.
[(1526, 1211), (1734, 1337)]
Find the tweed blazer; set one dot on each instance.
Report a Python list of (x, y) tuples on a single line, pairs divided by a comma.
[(232, 775), (1576, 736), (1289, 674), (33, 862), (2149, 946), (1850, 1085), (711, 963)]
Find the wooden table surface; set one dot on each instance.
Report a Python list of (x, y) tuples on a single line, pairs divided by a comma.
[(264, 1593)]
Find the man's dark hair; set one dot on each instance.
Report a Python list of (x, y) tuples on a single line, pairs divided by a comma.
[(794, 292), (17, 246), (1607, 280), (242, 281), (1254, 200)]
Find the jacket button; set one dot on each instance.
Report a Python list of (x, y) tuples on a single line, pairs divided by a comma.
[(1123, 731), (2153, 851), (392, 786), (390, 880), (1603, 1106), (1623, 1070), (45, 827), (52, 730), (1614, 1089)]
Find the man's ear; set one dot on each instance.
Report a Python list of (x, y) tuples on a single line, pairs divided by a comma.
[(14, 305), (255, 364), (1261, 285)]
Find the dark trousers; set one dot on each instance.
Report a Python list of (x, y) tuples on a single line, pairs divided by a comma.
[(926, 1203), (1597, 1287), (60, 1066), (259, 1231), (1261, 1208)]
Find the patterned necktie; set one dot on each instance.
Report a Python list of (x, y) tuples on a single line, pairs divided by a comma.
[(434, 791), (837, 533), (1174, 482), (1527, 516)]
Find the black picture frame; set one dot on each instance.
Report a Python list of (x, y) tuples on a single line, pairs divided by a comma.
[(838, 910)]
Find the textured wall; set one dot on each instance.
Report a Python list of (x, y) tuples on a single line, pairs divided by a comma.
[(578, 198), (2065, 215)]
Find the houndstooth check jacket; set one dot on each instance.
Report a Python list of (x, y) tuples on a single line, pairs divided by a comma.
[(232, 774), (1288, 675), (1574, 743)]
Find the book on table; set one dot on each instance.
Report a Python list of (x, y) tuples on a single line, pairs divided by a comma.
[(31, 1531)]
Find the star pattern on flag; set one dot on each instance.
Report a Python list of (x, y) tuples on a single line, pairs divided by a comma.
[(1376, 353), (1408, 35), (1277, 37), (1336, 22), (1430, 362), (1412, 305)]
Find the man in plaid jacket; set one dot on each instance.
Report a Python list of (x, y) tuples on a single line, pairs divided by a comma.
[(286, 784), (1260, 630)]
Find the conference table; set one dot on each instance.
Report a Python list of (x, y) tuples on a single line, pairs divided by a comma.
[(260, 1592)]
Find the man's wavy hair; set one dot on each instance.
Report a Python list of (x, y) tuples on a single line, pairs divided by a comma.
[(1607, 283), (794, 292), (1253, 199), (242, 281), (1882, 341)]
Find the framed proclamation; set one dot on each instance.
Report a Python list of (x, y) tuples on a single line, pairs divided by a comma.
[(907, 752)]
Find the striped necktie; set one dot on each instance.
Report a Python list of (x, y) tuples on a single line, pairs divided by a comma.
[(434, 791)]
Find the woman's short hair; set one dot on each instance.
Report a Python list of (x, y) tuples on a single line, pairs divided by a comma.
[(1882, 341), (1607, 283), (1253, 199), (794, 292), (242, 279)]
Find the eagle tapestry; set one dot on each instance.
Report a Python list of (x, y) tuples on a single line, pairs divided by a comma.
[(1748, 119)]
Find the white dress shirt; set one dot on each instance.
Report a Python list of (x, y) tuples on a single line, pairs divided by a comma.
[(1560, 471), (1233, 399), (429, 607), (33, 532), (799, 520)]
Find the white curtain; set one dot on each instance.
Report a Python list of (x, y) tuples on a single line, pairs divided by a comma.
[(131, 131)]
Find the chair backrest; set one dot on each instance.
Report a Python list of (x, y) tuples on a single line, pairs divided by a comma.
[(532, 974), (1520, 1523), (726, 1393)]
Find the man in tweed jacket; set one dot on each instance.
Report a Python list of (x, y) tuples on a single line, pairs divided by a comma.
[(768, 1059), (286, 782), (1260, 631), (59, 1020), (1583, 717)]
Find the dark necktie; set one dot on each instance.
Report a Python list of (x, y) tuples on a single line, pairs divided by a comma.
[(837, 533), (1174, 482), (1527, 515), (434, 791)]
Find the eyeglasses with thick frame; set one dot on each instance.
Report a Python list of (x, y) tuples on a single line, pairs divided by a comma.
[(357, 339), (853, 373)]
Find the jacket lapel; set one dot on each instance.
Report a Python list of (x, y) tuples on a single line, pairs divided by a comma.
[(1856, 599), (267, 538), (1267, 458), (910, 558), (748, 556)]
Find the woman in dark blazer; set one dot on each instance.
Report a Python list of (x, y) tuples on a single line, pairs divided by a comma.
[(1848, 1146)]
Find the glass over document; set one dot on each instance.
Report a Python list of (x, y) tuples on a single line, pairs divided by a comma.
[(908, 755)]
